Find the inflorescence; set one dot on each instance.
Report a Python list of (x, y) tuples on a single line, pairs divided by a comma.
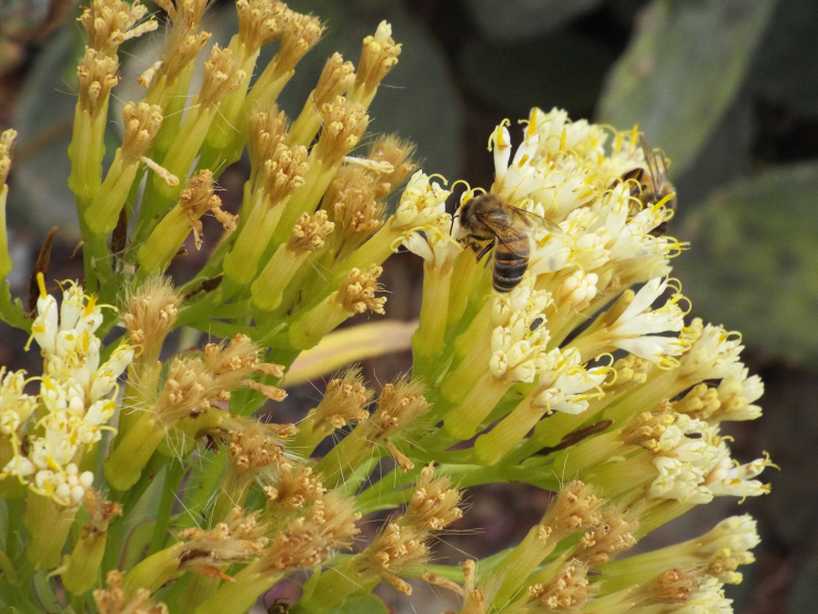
[(145, 481)]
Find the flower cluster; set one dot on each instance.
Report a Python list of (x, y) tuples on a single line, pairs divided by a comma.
[(50, 432), (150, 450)]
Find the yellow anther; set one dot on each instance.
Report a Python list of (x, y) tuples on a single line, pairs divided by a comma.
[(635, 134), (90, 306), (41, 284)]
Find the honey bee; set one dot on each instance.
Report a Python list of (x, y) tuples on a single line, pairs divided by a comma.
[(487, 222), (651, 184)]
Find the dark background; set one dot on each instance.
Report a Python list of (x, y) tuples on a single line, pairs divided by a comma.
[(728, 88)]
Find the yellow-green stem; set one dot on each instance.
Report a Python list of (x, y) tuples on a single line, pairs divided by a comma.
[(48, 524), (125, 464)]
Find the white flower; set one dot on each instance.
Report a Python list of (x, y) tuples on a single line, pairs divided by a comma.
[(678, 480), (737, 392), (19, 466), (736, 533), (708, 598), (524, 298), (635, 329), (517, 348), (579, 288), (15, 405), (733, 479), (566, 384), (422, 204), (104, 380), (714, 353), (77, 394), (436, 245)]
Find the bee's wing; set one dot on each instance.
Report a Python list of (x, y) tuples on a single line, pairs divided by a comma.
[(532, 219)]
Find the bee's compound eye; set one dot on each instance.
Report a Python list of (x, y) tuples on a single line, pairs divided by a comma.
[(536, 323)]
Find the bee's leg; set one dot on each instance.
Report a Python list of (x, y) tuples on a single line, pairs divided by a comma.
[(485, 250)]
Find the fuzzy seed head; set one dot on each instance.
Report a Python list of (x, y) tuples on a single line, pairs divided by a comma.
[(344, 124), (221, 76), (434, 504), (114, 600), (357, 293), (352, 204), (267, 131), (674, 586), (6, 141), (345, 400), (328, 525), (294, 486), (284, 171), (397, 547), (335, 80), (379, 55), (612, 535), (576, 508), (150, 313), (185, 39), (309, 232), (400, 404), (299, 34), (198, 198), (568, 591), (240, 538), (109, 23), (141, 122), (397, 153), (260, 21), (253, 445), (97, 75)]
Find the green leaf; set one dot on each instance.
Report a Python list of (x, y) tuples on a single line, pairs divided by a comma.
[(754, 260), (363, 604), (682, 70), (513, 20)]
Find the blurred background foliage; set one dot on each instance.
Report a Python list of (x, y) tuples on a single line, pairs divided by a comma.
[(728, 88)]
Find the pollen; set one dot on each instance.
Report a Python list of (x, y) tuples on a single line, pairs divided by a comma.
[(569, 591), (435, 502), (400, 404), (114, 600), (109, 23), (357, 293), (335, 80), (344, 124), (398, 154), (379, 55), (299, 34), (6, 141), (141, 123), (221, 76), (199, 198), (352, 204), (310, 232), (284, 171), (260, 21), (97, 75), (575, 508), (267, 131)]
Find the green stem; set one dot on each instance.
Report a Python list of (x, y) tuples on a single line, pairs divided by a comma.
[(173, 476), (204, 483)]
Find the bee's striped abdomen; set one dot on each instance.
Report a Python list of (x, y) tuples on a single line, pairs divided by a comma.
[(510, 263)]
